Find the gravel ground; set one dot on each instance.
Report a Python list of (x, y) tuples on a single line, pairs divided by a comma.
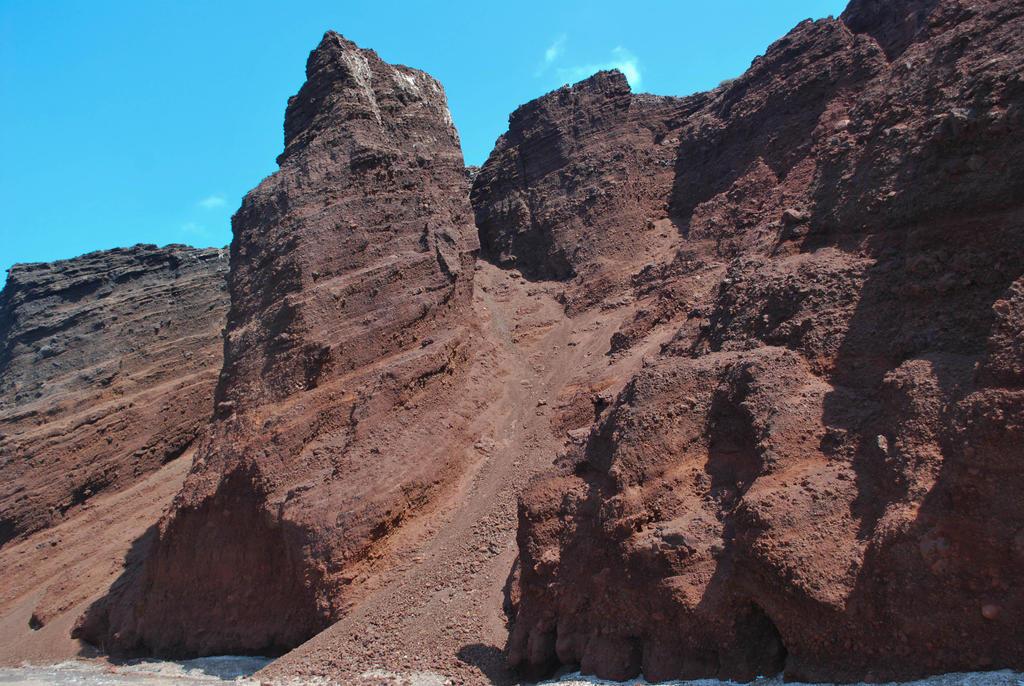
[(236, 670)]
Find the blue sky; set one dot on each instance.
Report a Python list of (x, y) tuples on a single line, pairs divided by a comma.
[(146, 122)]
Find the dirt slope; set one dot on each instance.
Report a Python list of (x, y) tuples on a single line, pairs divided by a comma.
[(50, 577)]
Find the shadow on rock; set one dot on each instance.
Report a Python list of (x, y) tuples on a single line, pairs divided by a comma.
[(91, 626), (488, 659)]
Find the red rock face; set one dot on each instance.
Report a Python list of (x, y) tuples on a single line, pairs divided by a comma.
[(819, 473), (799, 453), (107, 365), (351, 268), (578, 188)]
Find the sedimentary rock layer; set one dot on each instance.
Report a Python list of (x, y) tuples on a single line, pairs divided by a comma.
[(798, 452), (578, 188), (820, 471), (107, 368), (339, 408)]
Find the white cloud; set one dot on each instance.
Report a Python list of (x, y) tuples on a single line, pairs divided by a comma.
[(555, 50), (626, 62), (212, 202), (621, 59), (191, 230)]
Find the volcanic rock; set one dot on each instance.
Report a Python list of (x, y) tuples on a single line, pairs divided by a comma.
[(818, 474), (107, 368), (578, 187), (756, 352), (351, 271)]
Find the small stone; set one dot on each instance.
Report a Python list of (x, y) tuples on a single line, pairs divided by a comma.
[(794, 216), (990, 611)]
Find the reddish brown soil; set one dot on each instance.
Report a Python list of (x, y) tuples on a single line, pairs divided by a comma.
[(51, 577)]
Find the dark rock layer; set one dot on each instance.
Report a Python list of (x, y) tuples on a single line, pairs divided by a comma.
[(820, 471), (107, 366)]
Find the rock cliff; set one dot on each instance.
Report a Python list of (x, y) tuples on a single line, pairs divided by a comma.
[(107, 367), (818, 473), (577, 190), (338, 410), (736, 389)]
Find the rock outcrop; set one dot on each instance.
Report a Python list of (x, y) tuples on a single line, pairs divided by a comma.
[(757, 353), (107, 368), (577, 190), (819, 472), (339, 407)]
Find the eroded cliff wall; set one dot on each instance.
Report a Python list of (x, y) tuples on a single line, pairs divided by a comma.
[(339, 406), (819, 473), (776, 329), (107, 368)]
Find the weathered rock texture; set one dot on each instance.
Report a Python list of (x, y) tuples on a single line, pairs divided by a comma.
[(769, 335), (339, 408), (107, 367), (820, 472), (578, 188)]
